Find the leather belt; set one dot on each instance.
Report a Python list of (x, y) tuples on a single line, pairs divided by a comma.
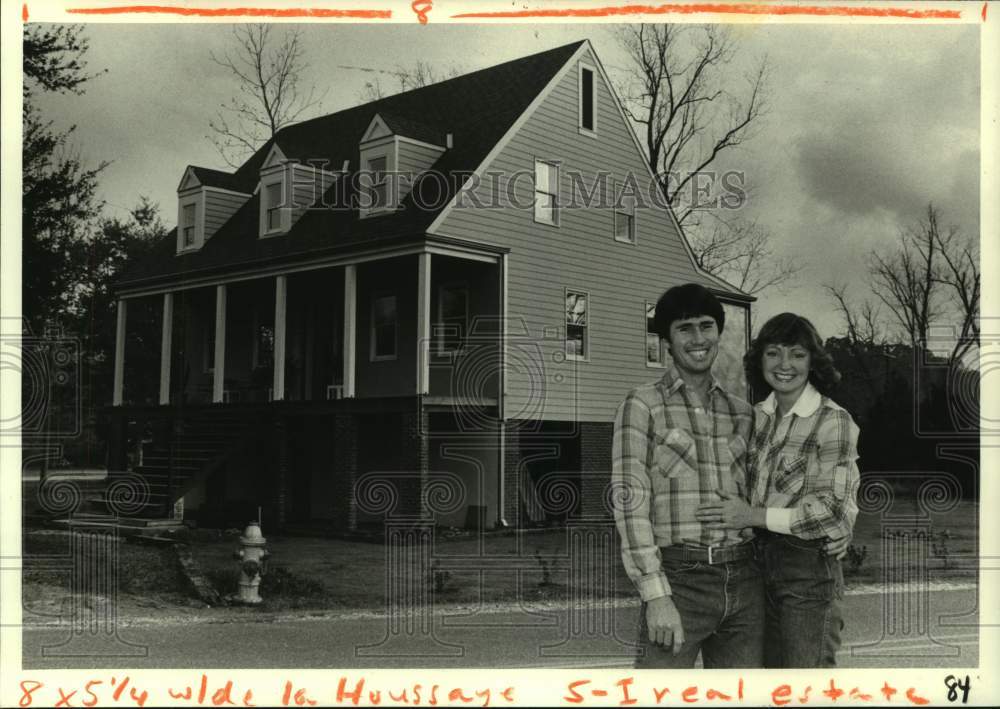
[(710, 554)]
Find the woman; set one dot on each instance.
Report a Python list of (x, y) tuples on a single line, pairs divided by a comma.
[(802, 488)]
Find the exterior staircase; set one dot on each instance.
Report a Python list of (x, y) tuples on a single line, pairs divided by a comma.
[(176, 454)]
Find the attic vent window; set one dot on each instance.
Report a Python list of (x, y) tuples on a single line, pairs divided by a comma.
[(187, 227), (588, 121)]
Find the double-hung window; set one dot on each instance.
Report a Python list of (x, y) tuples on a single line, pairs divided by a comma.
[(625, 219), (384, 326), (379, 183), (273, 212), (546, 193), (453, 317), (577, 325), (656, 348), (189, 213)]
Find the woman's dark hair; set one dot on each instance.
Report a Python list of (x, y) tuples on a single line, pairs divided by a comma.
[(790, 329), (687, 301)]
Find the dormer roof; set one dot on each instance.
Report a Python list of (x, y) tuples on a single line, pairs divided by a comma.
[(195, 176), (275, 156), (410, 128)]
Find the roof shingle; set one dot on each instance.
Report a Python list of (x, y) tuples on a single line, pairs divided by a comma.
[(476, 108)]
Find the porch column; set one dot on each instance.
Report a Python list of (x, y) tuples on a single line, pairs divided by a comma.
[(423, 322), (219, 366), (502, 521), (119, 385), (166, 347), (280, 327), (350, 327)]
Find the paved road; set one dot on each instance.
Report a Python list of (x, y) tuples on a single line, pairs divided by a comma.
[(883, 631)]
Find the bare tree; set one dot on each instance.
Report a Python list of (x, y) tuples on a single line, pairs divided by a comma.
[(403, 78), (931, 276), (863, 323), (960, 275), (678, 95), (904, 279), (268, 67), (741, 253), (865, 334)]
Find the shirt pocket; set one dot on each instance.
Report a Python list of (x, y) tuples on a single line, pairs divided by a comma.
[(791, 475), (675, 454)]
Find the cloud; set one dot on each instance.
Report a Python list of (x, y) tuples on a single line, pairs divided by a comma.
[(854, 173)]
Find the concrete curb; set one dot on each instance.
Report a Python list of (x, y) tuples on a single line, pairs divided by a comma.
[(202, 587)]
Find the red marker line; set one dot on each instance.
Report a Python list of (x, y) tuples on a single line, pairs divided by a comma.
[(729, 9), (231, 11), (24, 12)]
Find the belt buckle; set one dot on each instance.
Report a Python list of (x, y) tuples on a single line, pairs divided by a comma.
[(710, 560)]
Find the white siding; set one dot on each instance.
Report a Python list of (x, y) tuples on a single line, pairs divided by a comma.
[(580, 254)]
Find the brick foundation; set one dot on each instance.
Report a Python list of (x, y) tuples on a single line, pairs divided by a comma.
[(344, 471), (511, 471), (595, 468), (414, 457)]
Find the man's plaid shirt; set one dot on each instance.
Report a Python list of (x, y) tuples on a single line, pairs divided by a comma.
[(670, 454), (803, 467)]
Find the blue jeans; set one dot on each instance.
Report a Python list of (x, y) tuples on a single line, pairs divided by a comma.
[(722, 613), (804, 591)]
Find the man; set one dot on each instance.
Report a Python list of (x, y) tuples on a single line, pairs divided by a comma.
[(678, 442)]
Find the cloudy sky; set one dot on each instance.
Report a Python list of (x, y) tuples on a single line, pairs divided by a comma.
[(867, 124)]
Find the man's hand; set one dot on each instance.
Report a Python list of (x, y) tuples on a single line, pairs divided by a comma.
[(837, 548), (730, 512), (664, 623)]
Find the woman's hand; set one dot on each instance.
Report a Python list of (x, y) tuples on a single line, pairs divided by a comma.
[(730, 512)]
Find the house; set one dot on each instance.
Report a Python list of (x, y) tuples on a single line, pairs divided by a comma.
[(423, 291)]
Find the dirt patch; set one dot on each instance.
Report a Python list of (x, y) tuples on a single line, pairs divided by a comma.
[(323, 574)]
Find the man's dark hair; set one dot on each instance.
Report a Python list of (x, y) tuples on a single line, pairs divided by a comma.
[(687, 301), (790, 329)]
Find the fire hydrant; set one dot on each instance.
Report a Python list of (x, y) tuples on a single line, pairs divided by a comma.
[(252, 556)]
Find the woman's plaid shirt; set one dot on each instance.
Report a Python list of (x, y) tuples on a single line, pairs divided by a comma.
[(670, 454), (805, 462)]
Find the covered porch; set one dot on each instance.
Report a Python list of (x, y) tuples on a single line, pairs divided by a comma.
[(390, 325), (282, 390)]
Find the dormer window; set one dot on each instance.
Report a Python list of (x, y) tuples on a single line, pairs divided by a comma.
[(206, 199), (190, 220), (379, 182), (392, 153), (189, 215), (272, 206), (275, 186)]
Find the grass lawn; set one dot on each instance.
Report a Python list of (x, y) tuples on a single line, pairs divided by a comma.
[(331, 574), (951, 540)]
